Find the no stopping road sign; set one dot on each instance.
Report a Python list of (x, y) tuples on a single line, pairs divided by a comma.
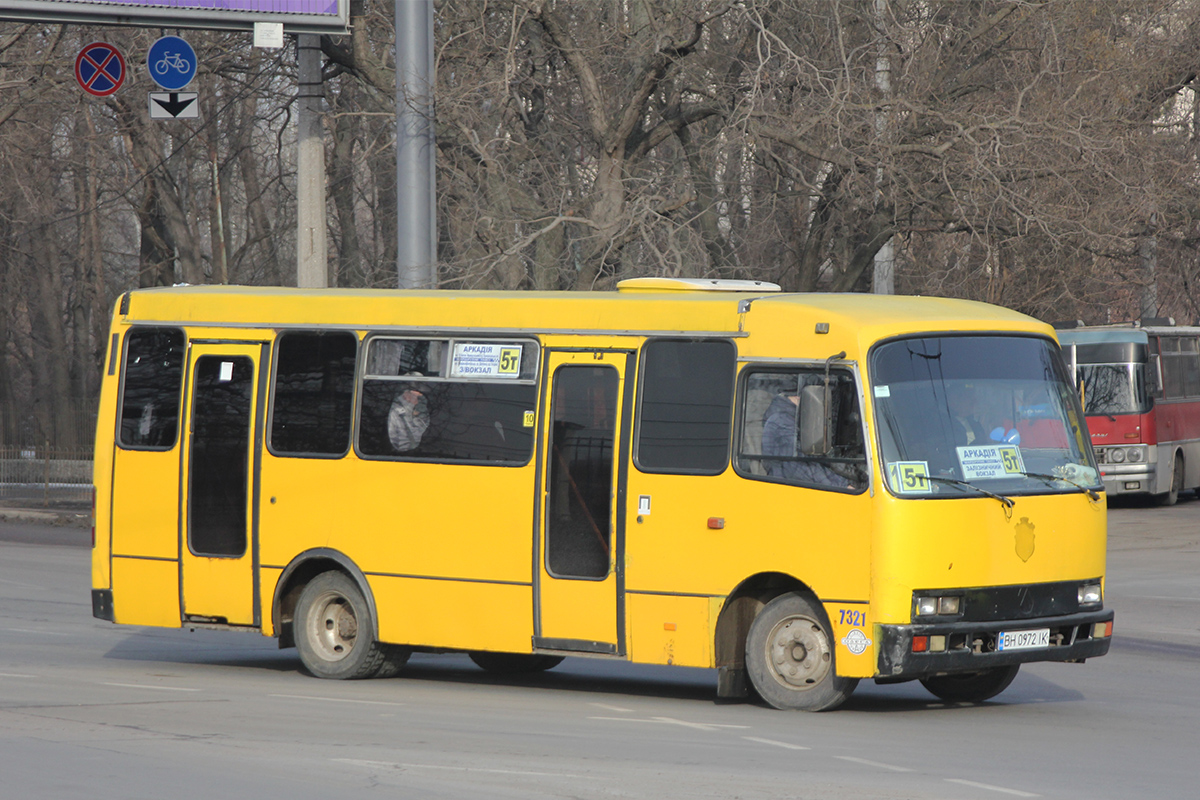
[(100, 69)]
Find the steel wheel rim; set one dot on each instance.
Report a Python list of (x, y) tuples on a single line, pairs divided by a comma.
[(334, 626), (798, 653)]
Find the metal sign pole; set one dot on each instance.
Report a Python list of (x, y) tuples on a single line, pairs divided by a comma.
[(416, 227)]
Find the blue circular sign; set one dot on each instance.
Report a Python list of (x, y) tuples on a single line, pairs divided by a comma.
[(172, 63), (100, 69)]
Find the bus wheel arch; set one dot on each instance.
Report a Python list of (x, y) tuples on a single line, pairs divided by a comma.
[(790, 656), (741, 606), (303, 569)]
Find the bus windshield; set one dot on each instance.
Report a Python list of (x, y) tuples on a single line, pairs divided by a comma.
[(1112, 389), (978, 415)]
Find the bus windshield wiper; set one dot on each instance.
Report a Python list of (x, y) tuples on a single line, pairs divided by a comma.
[(1007, 501), (1089, 491)]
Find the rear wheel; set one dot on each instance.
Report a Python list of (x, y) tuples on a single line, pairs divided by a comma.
[(790, 656), (971, 687), (515, 663), (334, 630)]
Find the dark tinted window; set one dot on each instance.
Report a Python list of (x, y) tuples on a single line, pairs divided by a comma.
[(151, 388), (579, 496), (220, 455), (1180, 367), (314, 393), (687, 395), (449, 400)]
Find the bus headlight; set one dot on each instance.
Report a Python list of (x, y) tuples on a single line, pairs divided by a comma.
[(939, 606), (1134, 455), (1090, 595), (1116, 455)]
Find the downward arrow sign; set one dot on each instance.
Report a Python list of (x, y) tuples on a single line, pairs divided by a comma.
[(173, 105)]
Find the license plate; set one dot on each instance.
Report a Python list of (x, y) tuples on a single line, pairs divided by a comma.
[(1023, 640)]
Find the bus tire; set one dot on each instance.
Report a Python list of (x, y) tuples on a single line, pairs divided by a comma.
[(1171, 496), (514, 663), (790, 656), (971, 687), (394, 658), (333, 630)]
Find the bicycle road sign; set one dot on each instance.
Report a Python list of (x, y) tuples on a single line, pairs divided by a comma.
[(172, 63), (100, 69)]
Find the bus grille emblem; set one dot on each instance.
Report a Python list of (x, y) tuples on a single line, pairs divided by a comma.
[(1025, 539)]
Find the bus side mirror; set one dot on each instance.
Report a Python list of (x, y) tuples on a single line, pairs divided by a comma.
[(812, 421)]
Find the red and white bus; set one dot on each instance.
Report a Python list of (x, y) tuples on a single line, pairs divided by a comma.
[(1141, 389)]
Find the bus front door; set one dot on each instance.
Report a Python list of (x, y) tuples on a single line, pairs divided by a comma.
[(218, 553), (580, 542)]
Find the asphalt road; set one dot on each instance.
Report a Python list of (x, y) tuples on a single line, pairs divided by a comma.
[(92, 710)]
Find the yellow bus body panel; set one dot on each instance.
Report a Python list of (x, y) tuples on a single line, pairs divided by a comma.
[(454, 614), (767, 527), (665, 629), (940, 544), (146, 504), (400, 518), (146, 592)]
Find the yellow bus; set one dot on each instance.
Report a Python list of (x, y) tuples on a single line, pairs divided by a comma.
[(800, 490)]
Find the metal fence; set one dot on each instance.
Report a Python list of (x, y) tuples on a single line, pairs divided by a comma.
[(46, 476)]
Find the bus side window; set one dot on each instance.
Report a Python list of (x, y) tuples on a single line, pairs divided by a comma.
[(313, 395), (150, 389), (774, 445), (686, 405), (448, 401)]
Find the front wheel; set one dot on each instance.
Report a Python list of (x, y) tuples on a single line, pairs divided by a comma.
[(971, 687), (1172, 495), (334, 632), (790, 657)]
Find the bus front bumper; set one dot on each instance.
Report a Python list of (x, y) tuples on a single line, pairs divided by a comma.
[(973, 646), (1128, 478)]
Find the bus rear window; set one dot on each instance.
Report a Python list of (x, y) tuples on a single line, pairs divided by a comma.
[(150, 389)]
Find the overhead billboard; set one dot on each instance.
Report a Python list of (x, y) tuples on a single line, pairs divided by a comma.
[(297, 16)]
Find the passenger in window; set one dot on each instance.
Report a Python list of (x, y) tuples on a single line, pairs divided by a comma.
[(780, 432), (408, 418), (146, 425)]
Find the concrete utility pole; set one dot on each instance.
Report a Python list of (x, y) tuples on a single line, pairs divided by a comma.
[(883, 281), (312, 254), (416, 205)]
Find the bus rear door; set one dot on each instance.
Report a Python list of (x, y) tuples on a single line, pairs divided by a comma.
[(224, 433)]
